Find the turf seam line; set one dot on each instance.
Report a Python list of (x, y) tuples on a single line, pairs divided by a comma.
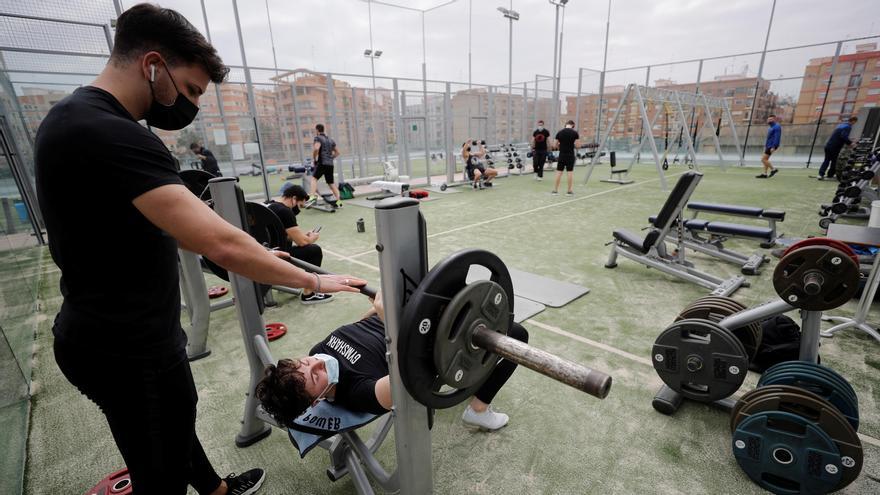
[(591, 342), (533, 210)]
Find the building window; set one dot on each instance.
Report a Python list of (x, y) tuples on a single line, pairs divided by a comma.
[(874, 91), (855, 80), (847, 108), (852, 94), (859, 67)]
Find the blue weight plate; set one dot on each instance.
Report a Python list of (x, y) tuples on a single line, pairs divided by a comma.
[(819, 369), (787, 454), (819, 385)]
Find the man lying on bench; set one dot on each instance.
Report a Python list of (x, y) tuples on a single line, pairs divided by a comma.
[(349, 369)]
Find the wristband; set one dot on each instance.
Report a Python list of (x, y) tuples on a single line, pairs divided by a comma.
[(317, 282)]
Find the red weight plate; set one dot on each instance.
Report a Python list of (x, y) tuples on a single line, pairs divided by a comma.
[(118, 483), (824, 241), (216, 291), (275, 331)]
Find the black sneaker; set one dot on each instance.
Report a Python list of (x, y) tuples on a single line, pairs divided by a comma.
[(487, 184), (774, 172), (315, 298), (245, 483), (820, 178), (762, 176)]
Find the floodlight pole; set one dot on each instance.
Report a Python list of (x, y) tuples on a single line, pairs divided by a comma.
[(511, 15), (555, 51)]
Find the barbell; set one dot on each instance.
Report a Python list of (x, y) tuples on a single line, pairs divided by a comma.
[(453, 333)]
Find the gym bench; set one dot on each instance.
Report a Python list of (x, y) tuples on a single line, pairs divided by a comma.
[(771, 216), (651, 250)]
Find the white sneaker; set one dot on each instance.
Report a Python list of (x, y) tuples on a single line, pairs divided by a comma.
[(487, 420)]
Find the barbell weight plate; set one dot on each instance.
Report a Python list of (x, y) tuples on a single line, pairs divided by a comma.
[(820, 413), (835, 272), (700, 360), (866, 174), (216, 291), (819, 385), (265, 226), (421, 317), (480, 304), (852, 192), (824, 241), (838, 208), (197, 182), (716, 308), (843, 385), (826, 222)]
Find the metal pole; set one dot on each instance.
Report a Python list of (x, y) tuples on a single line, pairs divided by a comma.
[(555, 60), (357, 135), (299, 136), (558, 74), (117, 5), (251, 100), (509, 73), (577, 100), (824, 100), (447, 134), (470, 29), (282, 122), (219, 96), (525, 112), (602, 76), (758, 81), (334, 125)]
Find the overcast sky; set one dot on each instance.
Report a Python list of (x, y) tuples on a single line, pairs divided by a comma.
[(331, 35)]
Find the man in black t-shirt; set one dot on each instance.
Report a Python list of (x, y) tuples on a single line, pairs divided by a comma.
[(302, 244), (324, 151), (118, 337), (209, 163), (349, 367), (539, 149), (566, 141)]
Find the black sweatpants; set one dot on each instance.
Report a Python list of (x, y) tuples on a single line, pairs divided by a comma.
[(504, 368), (310, 253), (538, 160), (829, 164), (150, 407)]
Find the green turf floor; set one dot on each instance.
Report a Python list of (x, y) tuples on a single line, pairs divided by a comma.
[(559, 441)]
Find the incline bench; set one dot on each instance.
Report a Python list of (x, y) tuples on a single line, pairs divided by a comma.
[(771, 216), (651, 250)]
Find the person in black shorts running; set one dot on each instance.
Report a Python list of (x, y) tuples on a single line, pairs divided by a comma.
[(349, 368), (566, 141), (539, 150), (324, 150)]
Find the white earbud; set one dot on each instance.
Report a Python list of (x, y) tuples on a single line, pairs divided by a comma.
[(152, 72)]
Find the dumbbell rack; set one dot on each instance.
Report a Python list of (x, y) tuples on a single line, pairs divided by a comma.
[(851, 192)]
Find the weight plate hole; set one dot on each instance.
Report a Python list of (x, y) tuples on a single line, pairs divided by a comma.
[(783, 456)]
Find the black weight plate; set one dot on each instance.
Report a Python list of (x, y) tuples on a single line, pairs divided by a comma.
[(844, 385), (838, 208), (716, 308), (852, 192), (421, 316), (787, 454), (818, 411), (197, 182), (700, 360), (818, 385), (839, 275), (481, 304), (265, 226)]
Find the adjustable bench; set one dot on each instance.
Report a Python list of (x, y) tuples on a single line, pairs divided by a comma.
[(718, 232), (771, 216), (651, 250)]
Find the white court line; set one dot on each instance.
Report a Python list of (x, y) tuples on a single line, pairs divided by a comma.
[(352, 260), (598, 345), (526, 212)]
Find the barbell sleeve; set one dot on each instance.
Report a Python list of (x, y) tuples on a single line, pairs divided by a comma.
[(576, 375), (365, 289)]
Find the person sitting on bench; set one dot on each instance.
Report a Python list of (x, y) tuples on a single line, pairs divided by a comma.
[(303, 244), (472, 153), (349, 368)]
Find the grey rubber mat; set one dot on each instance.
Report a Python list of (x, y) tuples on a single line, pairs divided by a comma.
[(523, 308), (545, 290)]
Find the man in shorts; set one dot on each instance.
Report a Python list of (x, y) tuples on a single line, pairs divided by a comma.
[(566, 141), (324, 150)]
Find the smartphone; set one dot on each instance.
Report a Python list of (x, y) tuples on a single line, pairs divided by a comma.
[(317, 229)]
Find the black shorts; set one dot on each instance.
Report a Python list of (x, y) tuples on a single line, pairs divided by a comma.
[(326, 171), (470, 171), (566, 163), (768, 151)]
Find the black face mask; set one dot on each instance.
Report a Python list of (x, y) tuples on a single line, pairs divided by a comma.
[(172, 117), (295, 210)]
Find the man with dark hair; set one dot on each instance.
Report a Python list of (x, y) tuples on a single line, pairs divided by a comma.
[(566, 141), (303, 244), (324, 150), (209, 163), (774, 136), (836, 142), (125, 349), (539, 150), (350, 369)]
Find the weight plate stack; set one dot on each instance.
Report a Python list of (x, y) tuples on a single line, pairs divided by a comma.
[(813, 408), (819, 380), (787, 454), (817, 275), (700, 360), (717, 308)]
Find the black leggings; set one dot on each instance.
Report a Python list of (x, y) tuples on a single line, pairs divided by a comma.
[(151, 410), (538, 160), (504, 369), (310, 253)]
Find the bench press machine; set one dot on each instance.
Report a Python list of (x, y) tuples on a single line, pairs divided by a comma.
[(651, 250), (469, 328)]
